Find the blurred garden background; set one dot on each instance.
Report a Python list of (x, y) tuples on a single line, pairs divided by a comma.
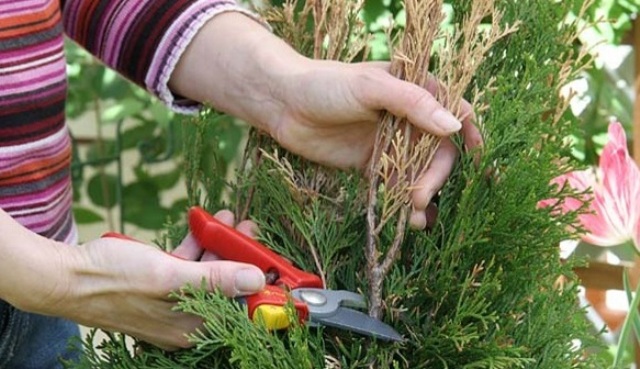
[(128, 164)]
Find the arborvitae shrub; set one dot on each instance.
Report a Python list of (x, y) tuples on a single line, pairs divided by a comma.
[(483, 289)]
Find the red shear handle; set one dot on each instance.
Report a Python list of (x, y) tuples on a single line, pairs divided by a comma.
[(230, 244)]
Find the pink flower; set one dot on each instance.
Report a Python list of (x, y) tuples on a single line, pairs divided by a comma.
[(615, 208)]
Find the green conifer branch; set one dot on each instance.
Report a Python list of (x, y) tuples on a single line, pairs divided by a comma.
[(481, 290)]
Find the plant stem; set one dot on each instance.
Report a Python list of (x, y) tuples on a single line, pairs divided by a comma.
[(251, 153), (636, 319), (394, 251), (103, 179), (626, 328)]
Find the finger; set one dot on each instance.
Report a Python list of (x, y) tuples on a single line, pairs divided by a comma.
[(209, 256), (226, 217), (470, 132), (233, 279), (432, 82), (248, 228), (467, 115), (431, 214), (418, 220), (426, 219), (435, 176), (464, 112), (379, 90), (188, 249), (435, 88), (473, 141)]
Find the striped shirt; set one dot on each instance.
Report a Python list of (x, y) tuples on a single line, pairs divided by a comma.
[(142, 39)]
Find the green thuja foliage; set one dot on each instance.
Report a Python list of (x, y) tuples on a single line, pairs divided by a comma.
[(484, 289)]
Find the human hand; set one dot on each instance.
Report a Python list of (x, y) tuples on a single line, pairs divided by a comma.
[(123, 286), (329, 114), (326, 111)]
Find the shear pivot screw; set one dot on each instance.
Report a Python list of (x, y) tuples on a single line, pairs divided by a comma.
[(313, 298)]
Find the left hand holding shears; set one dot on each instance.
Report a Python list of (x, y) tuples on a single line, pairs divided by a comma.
[(212, 238)]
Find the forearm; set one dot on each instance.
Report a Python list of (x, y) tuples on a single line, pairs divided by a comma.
[(32, 268), (235, 64)]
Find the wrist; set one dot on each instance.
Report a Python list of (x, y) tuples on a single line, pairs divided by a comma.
[(43, 281), (266, 99), (239, 67)]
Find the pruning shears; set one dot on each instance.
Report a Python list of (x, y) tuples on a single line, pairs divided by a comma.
[(314, 304), (286, 284)]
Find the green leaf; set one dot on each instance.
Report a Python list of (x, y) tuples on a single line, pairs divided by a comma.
[(379, 46), (160, 114), (124, 108), (142, 205), (77, 194), (102, 190), (101, 152), (162, 181), (152, 218), (168, 180), (141, 193), (84, 215), (180, 206), (117, 89), (629, 321), (401, 18), (93, 75), (636, 318), (229, 142), (373, 9), (133, 136)]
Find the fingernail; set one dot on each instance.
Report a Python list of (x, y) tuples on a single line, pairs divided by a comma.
[(446, 121), (418, 220), (249, 281)]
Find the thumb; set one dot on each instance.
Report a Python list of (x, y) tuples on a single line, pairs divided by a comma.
[(381, 90), (232, 278)]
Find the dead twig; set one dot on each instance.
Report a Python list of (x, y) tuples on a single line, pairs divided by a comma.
[(401, 155)]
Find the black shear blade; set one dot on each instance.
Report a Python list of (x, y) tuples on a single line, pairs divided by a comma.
[(358, 322)]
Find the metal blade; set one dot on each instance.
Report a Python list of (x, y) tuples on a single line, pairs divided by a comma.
[(323, 302), (359, 322)]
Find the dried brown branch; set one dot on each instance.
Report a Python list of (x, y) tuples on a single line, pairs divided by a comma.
[(403, 155), (320, 31), (318, 263), (397, 162), (338, 33)]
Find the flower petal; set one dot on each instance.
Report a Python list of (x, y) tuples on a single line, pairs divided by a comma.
[(578, 180), (615, 205), (617, 199)]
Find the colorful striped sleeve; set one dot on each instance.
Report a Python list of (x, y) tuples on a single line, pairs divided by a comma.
[(142, 39)]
